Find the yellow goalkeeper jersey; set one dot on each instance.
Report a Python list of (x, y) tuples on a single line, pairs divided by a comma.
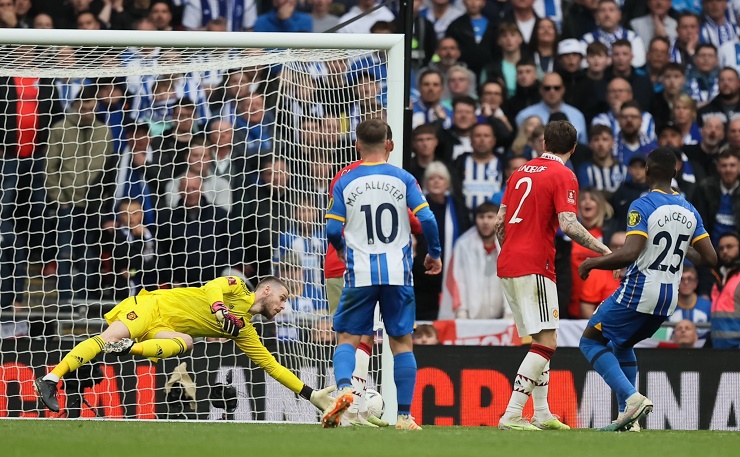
[(188, 310)]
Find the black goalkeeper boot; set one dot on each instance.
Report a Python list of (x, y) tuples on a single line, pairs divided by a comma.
[(47, 391)]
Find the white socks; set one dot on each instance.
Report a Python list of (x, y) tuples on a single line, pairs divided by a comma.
[(359, 378), (526, 378)]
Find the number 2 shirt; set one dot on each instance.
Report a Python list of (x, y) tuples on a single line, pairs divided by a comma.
[(535, 193), (371, 201), (669, 223)]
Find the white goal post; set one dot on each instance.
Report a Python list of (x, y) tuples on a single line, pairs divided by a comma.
[(72, 178)]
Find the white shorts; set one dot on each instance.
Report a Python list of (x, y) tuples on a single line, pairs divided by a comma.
[(534, 302)]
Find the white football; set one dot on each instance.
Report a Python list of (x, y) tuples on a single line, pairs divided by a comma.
[(375, 403)]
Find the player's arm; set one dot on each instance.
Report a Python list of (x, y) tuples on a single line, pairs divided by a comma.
[(570, 226), (498, 224), (702, 253), (215, 291), (420, 208), (251, 345), (619, 259), (335, 217)]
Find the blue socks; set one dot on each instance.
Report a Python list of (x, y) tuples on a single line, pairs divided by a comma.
[(607, 365), (344, 365), (404, 375), (628, 362)]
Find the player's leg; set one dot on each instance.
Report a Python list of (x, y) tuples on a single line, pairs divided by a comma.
[(163, 344), (628, 363), (120, 327), (354, 317), (527, 297), (613, 322), (398, 308)]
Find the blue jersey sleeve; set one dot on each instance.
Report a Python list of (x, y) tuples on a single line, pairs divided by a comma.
[(699, 232), (637, 218)]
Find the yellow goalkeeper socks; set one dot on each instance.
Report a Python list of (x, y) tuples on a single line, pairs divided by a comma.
[(79, 355), (160, 348)]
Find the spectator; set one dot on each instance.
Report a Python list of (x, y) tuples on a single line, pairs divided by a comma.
[(598, 287), (111, 110), (447, 56), (619, 92), (727, 102), (264, 206), (299, 308), (117, 15), (593, 212), (424, 40), (719, 24), (630, 190), (456, 140), (535, 146), (86, 20), (364, 24), (323, 333), (425, 335), (322, 18), (192, 238), (520, 143), (472, 290), (544, 45), (658, 56), (687, 31), (424, 145), (240, 14), (22, 14), (703, 156), (590, 93), (657, 23), (491, 101), (230, 155), (442, 13), (169, 150), (673, 81), (603, 172), (523, 15), (608, 18), (570, 58), (718, 197), (429, 108), (256, 124), (475, 35), (622, 66), (215, 190), (479, 172), (134, 250), (78, 181), (670, 135), (691, 306), (684, 117), (43, 21), (725, 331), (684, 334), (701, 79), (284, 18), (510, 42), (580, 18), (631, 140), (453, 220), (160, 13), (134, 181), (512, 164), (733, 134), (460, 83), (527, 90), (552, 91)]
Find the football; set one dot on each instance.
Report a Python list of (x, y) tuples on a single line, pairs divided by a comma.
[(375, 403)]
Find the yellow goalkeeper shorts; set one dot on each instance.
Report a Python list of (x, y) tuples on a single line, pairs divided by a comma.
[(140, 314)]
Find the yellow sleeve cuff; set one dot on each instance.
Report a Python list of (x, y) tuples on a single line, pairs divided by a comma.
[(335, 217), (637, 232), (419, 208), (700, 237)]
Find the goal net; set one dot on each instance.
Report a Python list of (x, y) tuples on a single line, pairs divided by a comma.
[(141, 161)]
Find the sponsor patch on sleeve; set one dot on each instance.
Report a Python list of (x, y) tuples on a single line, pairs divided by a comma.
[(633, 218), (232, 281), (572, 197)]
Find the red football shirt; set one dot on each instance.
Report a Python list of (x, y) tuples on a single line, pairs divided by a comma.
[(535, 194), (333, 267)]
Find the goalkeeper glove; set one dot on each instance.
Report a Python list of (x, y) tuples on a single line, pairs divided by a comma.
[(228, 322), (321, 398)]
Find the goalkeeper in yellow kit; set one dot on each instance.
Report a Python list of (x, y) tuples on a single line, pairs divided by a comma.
[(163, 324)]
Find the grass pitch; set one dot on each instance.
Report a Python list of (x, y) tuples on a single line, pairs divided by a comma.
[(81, 438)]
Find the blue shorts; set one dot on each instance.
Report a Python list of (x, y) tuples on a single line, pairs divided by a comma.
[(357, 309), (624, 326)]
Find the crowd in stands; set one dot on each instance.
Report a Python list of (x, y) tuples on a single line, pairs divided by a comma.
[(172, 181)]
